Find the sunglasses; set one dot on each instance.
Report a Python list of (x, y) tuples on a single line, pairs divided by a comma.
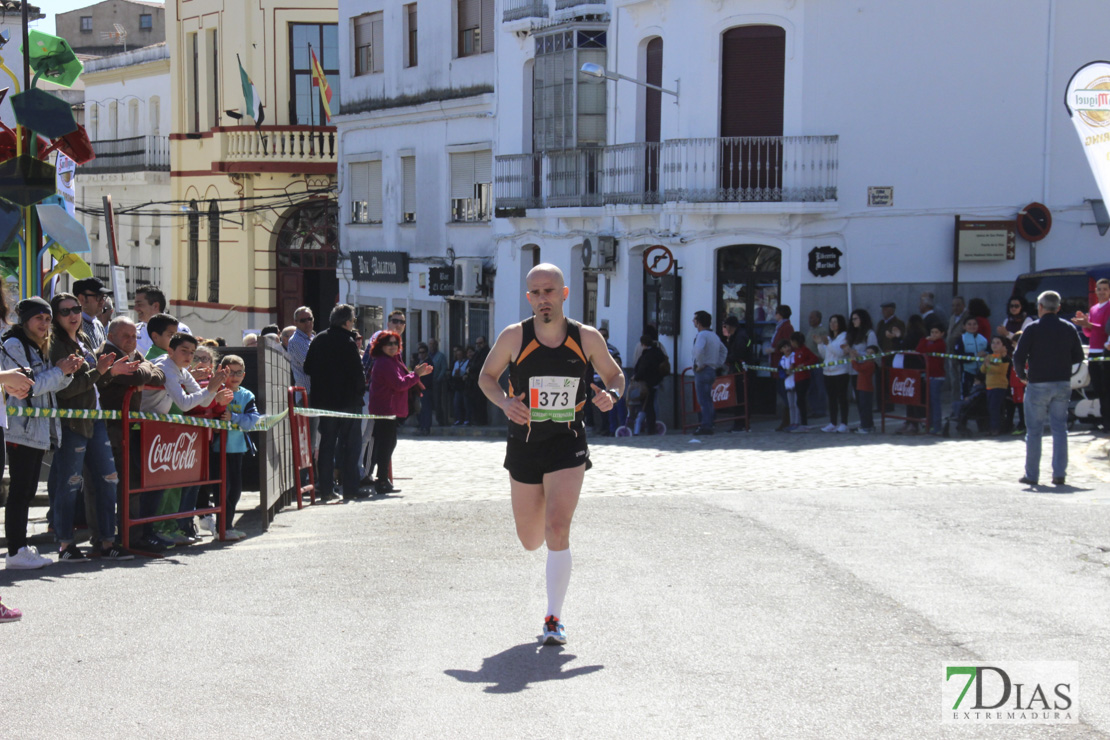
[(97, 296), (303, 319), (1015, 305), (397, 321), (71, 311)]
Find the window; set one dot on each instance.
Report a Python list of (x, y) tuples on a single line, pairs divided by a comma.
[(410, 35), (213, 252), (86, 24), (133, 118), (305, 107), (366, 192), (369, 44), (214, 77), (146, 22), (194, 250), (471, 189), (94, 121), (476, 28), (113, 120), (155, 116), (408, 190), (568, 109), (192, 84)]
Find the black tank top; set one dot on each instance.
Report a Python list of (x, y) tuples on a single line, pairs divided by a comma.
[(554, 382)]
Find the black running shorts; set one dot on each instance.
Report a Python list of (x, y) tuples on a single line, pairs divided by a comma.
[(527, 462)]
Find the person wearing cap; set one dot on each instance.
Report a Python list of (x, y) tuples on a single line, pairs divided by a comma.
[(92, 294), (26, 348), (884, 328)]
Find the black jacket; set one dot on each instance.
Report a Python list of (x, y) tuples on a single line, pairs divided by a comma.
[(1051, 347), (335, 368)]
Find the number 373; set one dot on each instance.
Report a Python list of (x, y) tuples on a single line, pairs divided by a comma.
[(554, 398)]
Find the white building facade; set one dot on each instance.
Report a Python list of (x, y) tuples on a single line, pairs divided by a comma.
[(415, 151), (127, 117), (860, 130)]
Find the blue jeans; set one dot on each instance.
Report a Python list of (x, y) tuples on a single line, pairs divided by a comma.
[(936, 403), (75, 453), (703, 389), (618, 417), (1051, 400), (995, 398), (340, 445), (427, 406), (865, 403), (817, 398)]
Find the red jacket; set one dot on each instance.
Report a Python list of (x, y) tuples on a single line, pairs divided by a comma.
[(934, 366), (782, 333), (390, 381), (865, 375), (802, 357)]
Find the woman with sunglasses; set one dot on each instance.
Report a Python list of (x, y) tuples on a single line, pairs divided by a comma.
[(390, 381), (84, 441), (1016, 318), (26, 348)]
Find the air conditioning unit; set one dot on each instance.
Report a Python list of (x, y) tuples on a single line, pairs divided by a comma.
[(606, 252), (468, 276)]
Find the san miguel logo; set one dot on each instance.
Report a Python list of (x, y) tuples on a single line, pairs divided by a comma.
[(174, 454), (1011, 693)]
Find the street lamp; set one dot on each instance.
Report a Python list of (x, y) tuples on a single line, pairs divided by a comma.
[(596, 70)]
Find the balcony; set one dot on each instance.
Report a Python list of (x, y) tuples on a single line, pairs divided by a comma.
[(134, 154), (299, 149), (516, 10), (767, 169)]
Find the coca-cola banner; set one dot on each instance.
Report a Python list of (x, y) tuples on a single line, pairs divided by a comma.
[(724, 393), (304, 445), (905, 386), (173, 455)]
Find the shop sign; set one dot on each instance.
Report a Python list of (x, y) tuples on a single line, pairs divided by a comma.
[(670, 302), (880, 195), (380, 267), (824, 261), (441, 281)]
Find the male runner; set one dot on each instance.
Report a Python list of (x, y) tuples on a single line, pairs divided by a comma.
[(547, 456)]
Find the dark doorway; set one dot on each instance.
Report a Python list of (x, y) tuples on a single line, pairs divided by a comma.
[(307, 254), (749, 287), (753, 70)]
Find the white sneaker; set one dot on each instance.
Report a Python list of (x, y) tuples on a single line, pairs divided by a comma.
[(208, 524), (829, 428), (234, 534), (27, 558), (863, 430), (842, 428)]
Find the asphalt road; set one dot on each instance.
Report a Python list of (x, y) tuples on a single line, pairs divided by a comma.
[(754, 585)]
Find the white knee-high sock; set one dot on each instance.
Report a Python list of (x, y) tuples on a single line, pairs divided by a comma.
[(558, 578)]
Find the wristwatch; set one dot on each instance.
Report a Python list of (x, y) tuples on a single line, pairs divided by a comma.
[(614, 394)]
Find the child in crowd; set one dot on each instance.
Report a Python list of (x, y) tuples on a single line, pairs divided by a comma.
[(865, 386), (971, 343), (242, 410), (802, 357), (786, 373), (1017, 394), (934, 371), (202, 369), (996, 369)]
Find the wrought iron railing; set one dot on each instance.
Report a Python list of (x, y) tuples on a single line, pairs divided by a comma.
[(562, 4), (764, 169), (516, 10), (134, 154)]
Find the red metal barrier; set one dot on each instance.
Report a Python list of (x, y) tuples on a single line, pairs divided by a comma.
[(729, 392), (905, 387), (173, 455), (302, 448)]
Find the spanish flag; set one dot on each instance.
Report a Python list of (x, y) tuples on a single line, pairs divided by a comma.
[(321, 81)]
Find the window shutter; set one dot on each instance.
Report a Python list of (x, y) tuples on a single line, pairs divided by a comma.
[(653, 99), (483, 167), (469, 14), (363, 36), (488, 26), (374, 191), (462, 175), (379, 44), (753, 67), (360, 176), (408, 180)]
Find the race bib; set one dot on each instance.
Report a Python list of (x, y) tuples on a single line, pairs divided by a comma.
[(552, 398)]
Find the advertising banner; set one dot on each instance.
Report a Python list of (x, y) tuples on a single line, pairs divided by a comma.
[(906, 387), (724, 393), (1088, 104), (173, 455)]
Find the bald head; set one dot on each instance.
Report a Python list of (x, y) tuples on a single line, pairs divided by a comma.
[(546, 270)]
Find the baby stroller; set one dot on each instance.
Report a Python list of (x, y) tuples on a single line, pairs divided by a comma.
[(637, 418), (973, 408)]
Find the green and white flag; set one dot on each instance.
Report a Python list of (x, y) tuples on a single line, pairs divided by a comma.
[(251, 100)]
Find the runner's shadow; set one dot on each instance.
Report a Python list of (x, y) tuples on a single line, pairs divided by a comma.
[(512, 670)]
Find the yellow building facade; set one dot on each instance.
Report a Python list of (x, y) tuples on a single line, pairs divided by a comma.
[(255, 233)]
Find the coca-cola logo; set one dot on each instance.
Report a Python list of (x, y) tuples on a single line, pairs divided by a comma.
[(904, 387), (721, 392), (180, 454)]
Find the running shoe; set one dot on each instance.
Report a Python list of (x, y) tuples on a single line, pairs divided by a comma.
[(27, 558), (829, 428), (72, 554), (115, 552), (842, 429), (232, 534), (10, 615), (554, 633)]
